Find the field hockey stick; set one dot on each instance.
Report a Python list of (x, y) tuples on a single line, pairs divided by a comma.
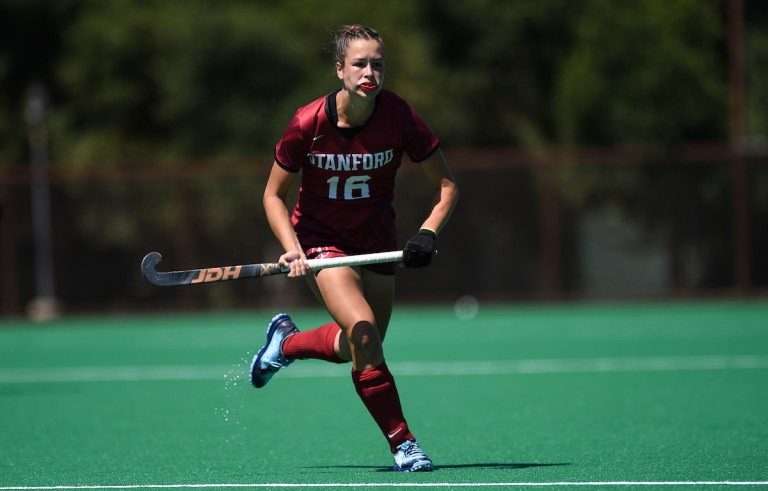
[(243, 271)]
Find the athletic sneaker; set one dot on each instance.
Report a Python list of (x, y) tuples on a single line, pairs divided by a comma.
[(409, 457), (270, 358)]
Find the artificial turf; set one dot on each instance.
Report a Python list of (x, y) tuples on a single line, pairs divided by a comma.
[(515, 397)]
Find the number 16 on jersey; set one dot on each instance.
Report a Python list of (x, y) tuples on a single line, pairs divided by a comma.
[(353, 187)]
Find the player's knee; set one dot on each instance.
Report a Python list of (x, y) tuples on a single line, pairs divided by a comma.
[(366, 339)]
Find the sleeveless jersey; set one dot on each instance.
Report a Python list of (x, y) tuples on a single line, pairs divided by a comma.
[(348, 183)]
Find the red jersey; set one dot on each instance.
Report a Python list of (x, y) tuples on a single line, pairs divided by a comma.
[(348, 174)]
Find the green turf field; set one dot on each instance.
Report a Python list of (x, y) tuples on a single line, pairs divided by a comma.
[(519, 397)]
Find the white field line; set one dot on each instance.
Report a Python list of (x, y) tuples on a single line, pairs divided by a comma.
[(394, 485), (421, 369)]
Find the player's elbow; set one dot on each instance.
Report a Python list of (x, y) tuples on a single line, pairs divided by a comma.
[(450, 189)]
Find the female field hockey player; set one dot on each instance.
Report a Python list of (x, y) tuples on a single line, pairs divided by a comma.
[(348, 146)]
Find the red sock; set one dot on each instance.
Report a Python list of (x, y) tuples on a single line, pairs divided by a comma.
[(317, 344), (376, 388)]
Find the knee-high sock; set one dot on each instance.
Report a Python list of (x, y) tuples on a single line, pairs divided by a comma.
[(376, 388), (316, 343)]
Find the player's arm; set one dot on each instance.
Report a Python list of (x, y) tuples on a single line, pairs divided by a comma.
[(419, 249), (439, 175), (279, 218)]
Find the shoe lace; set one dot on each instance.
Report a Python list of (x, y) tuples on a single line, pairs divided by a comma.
[(413, 450), (281, 362)]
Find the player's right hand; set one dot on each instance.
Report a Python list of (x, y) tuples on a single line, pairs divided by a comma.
[(296, 262)]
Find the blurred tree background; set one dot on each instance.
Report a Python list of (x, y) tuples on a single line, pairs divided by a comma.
[(139, 91)]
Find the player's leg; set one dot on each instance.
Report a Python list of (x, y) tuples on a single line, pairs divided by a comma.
[(285, 343), (361, 302), (342, 292), (378, 290), (320, 343), (326, 342)]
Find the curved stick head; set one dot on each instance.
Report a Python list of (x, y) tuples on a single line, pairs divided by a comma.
[(148, 266)]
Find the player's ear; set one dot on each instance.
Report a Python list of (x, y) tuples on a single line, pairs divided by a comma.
[(339, 70)]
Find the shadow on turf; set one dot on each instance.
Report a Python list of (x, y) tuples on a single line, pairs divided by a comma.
[(495, 465)]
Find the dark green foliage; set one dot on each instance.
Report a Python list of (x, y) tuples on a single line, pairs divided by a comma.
[(158, 80)]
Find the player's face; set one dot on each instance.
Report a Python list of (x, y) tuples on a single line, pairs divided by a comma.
[(363, 70)]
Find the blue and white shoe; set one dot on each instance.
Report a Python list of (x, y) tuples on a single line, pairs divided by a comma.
[(409, 457), (270, 358)]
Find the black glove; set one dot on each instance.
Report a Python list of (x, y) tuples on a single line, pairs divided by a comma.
[(419, 249)]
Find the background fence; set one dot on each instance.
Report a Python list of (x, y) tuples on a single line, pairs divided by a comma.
[(682, 221)]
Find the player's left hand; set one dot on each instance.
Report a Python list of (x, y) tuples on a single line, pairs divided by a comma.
[(419, 249)]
